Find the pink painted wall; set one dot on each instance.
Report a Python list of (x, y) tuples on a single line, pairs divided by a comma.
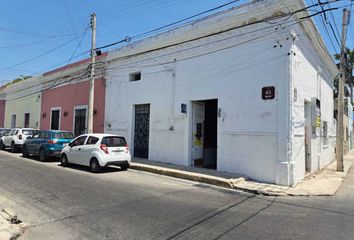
[(2, 112), (69, 96)]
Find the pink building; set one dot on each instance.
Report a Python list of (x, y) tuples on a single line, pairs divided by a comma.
[(2, 112), (66, 107)]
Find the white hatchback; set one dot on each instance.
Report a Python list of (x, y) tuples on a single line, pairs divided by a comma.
[(97, 151)]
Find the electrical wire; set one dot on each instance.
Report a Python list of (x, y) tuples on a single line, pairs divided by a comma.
[(229, 30), (40, 55), (128, 39)]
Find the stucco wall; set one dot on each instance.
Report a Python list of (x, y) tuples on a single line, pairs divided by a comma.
[(310, 79), (67, 97), (19, 106), (230, 68)]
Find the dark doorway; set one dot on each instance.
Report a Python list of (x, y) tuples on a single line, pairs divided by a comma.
[(204, 133), (80, 121), (55, 118), (141, 131)]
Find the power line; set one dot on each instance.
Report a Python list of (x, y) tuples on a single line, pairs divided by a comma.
[(127, 39), (70, 16), (186, 58), (277, 17), (40, 55)]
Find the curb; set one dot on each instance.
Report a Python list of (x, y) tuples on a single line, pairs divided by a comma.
[(202, 178), (240, 184)]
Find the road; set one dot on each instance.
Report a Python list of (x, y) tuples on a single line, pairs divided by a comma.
[(72, 203)]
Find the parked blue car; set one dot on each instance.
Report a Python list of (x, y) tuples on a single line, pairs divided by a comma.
[(46, 144)]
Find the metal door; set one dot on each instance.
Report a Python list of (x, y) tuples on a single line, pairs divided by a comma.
[(141, 131), (80, 122)]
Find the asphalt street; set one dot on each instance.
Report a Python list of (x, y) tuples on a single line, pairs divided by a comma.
[(72, 203)]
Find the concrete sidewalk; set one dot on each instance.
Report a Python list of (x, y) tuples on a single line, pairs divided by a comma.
[(323, 183)]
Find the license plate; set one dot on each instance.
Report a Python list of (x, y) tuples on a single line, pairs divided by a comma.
[(117, 152)]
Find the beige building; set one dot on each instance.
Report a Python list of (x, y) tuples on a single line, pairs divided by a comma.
[(23, 104)]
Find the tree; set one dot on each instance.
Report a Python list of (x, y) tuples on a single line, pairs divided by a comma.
[(349, 82), (16, 80)]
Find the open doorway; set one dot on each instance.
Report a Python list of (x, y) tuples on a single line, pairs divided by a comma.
[(204, 133), (308, 132)]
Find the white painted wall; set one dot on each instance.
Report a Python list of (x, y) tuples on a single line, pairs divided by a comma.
[(255, 137), (250, 130), (311, 79)]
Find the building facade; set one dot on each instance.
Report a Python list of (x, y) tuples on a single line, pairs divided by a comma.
[(64, 106), (23, 103), (56, 100), (231, 92)]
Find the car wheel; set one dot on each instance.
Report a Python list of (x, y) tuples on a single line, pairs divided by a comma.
[(25, 151), (124, 167), (42, 156), (64, 160), (2, 146), (13, 147), (95, 166)]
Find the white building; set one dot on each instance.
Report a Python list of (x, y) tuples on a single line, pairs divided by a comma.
[(247, 90)]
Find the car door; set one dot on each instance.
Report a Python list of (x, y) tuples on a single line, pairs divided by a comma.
[(74, 154), (87, 149), (40, 141), (30, 142), (8, 139)]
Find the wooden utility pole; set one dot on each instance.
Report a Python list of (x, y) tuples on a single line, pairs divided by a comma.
[(340, 105), (92, 75)]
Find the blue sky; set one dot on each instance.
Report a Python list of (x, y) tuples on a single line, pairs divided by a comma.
[(38, 35)]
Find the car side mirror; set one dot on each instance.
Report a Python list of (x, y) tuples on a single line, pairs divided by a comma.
[(71, 144)]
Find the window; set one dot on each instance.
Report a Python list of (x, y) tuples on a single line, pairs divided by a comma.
[(55, 119), (135, 76), (114, 141), (29, 132), (63, 135), (325, 133), (27, 120), (13, 120), (78, 141), (91, 141)]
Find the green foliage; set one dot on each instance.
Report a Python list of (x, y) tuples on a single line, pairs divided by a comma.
[(16, 80)]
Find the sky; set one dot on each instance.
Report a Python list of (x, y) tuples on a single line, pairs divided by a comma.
[(39, 35)]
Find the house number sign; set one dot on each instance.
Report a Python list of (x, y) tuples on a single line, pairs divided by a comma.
[(268, 93)]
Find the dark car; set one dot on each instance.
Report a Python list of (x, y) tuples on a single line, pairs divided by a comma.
[(46, 144)]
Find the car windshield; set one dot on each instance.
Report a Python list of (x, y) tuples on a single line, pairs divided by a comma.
[(29, 132), (63, 135), (114, 141)]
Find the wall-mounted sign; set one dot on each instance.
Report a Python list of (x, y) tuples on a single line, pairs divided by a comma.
[(183, 108), (268, 93)]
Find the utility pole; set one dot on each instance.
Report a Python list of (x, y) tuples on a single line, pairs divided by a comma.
[(340, 105), (92, 74)]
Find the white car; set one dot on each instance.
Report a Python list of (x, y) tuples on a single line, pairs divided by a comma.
[(97, 151), (15, 137)]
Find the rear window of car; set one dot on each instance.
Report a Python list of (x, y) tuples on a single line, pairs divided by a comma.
[(114, 141), (29, 132), (63, 135)]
